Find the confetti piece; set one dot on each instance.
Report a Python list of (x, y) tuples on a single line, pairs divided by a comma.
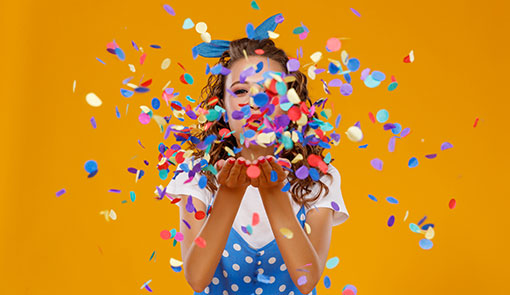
[(302, 172), (164, 234), (476, 122), (117, 112), (253, 171), (355, 12), (91, 167), (382, 116), (132, 196), (409, 58), (254, 5), (452, 203), (74, 86), (286, 232), (169, 9), (165, 64), (152, 255), (61, 192), (349, 290), (407, 214), (373, 198), (255, 219), (333, 44), (413, 162), (175, 263), (327, 282), (93, 100), (201, 27), (332, 262), (426, 244), (377, 164), (188, 24), (392, 200), (446, 145), (200, 242), (112, 215), (354, 134), (93, 122), (293, 65), (335, 206), (301, 280), (101, 61), (112, 190), (391, 221)]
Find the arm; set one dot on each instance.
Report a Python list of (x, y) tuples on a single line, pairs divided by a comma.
[(302, 248), (199, 264)]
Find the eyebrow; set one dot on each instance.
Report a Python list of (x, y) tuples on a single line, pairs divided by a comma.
[(236, 82)]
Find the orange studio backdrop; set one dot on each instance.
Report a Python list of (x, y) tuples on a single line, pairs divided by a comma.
[(51, 52)]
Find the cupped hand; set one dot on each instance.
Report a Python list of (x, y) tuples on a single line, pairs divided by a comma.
[(266, 165), (232, 173)]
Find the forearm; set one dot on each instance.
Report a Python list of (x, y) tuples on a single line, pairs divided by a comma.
[(200, 263), (297, 252)]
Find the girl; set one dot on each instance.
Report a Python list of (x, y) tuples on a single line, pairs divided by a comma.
[(257, 237)]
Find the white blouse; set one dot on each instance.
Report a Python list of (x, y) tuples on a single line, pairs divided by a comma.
[(252, 202)]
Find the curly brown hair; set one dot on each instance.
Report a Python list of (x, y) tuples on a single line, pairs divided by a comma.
[(215, 90)]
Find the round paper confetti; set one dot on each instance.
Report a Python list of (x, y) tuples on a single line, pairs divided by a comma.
[(201, 27), (377, 164), (354, 134), (253, 171), (426, 244), (333, 44), (200, 242), (165, 64), (332, 262), (391, 220), (301, 280), (382, 116), (91, 166), (93, 100), (452, 203), (327, 282), (165, 234), (413, 162)]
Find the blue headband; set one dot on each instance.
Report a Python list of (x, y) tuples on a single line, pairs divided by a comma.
[(216, 47)]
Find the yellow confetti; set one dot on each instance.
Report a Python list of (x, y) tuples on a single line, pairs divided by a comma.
[(354, 133), (308, 228), (175, 262), (430, 233), (316, 56), (286, 232), (273, 35), (164, 65), (93, 100)]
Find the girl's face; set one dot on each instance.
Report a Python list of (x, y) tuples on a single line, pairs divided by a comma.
[(242, 90)]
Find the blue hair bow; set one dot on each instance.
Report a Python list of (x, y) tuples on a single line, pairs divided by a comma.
[(216, 47)]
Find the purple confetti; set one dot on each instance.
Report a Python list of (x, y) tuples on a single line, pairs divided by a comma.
[(377, 164), (112, 190), (335, 206), (186, 223), (61, 192), (335, 83), (169, 9), (355, 12), (293, 65), (302, 280), (302, 172), (346, 89), (430, 156), (391, 144), (140, 143), (405, 132), (391, 220), (446, 145), (93, 122)]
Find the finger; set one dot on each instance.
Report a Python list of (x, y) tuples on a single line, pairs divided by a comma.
[(280, 171), (225, 170), (234, 172), (265, 167), (219, 164), (255, 181), (242, 172)]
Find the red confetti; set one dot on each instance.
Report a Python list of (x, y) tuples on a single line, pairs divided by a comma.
[(142, 58), (476, 122), (259, 51), (255, 219), (200, 215), (146, 83), (371, 117), (200, 242), (407, 59), (165, 235), (452, 203)]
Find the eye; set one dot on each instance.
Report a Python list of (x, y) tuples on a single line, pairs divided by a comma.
[(237, 91)]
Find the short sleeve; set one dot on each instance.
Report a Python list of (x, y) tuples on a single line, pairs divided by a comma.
[(179, 186), (333, 199)]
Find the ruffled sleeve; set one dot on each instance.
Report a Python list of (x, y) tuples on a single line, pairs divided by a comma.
[(333, 199), (179, 186)]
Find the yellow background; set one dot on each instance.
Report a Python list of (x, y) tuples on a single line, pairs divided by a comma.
[(51, 245)]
